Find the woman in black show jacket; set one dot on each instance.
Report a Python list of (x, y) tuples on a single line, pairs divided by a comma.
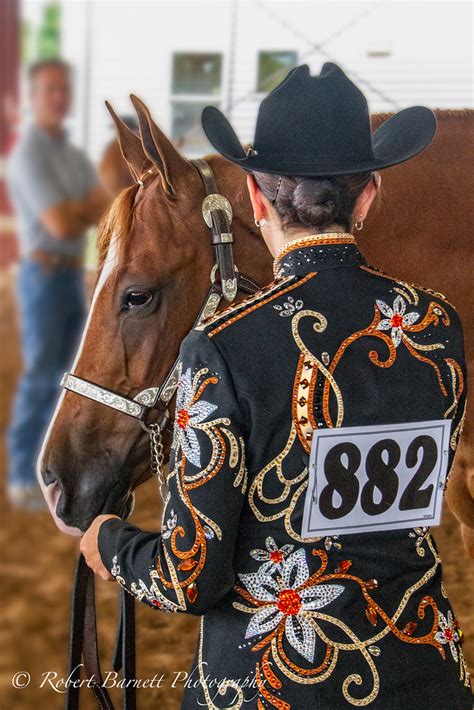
[(296, 612)]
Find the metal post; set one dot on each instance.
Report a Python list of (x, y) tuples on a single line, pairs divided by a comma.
[(231, 58), (9, 81)]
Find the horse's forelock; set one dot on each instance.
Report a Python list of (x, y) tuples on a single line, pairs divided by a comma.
[(117, 222)]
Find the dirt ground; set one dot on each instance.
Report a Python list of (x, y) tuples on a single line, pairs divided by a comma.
[(36, 570)]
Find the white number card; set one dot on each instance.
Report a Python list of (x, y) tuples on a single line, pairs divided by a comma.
[(371, 478)]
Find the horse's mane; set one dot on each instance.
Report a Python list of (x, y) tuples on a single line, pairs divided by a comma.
[(456, 113), (117, 221)]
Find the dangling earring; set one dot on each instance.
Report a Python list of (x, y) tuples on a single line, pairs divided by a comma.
[(260, 222), (359, 225)]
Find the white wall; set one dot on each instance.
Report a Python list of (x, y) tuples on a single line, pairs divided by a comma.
[(124, 46)]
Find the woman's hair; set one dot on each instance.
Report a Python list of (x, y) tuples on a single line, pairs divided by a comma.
[(315, 202)]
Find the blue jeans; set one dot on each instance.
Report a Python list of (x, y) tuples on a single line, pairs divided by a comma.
[(52, 310)]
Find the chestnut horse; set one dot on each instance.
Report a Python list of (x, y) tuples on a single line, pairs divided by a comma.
[(155, 260)]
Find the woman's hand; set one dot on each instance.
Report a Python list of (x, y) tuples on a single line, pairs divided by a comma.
[(90, 548)]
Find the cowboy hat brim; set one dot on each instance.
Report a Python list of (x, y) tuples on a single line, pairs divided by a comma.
[(398, 139)]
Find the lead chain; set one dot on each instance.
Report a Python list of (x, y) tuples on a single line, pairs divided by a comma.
[(157, 456)]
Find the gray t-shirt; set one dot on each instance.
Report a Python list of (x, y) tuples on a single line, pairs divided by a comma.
[(43, 171)]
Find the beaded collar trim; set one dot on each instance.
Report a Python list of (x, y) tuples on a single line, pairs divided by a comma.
[(295, 245)]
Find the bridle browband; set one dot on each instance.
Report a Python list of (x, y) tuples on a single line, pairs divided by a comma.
[(217, 213)]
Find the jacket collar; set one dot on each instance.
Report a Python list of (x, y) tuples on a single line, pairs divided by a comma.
[(315, 252)]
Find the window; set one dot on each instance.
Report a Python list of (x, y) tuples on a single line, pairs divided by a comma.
[(197, 82), (197, 73), (273, 67)]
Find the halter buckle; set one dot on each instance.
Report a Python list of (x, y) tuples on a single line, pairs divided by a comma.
[(214, 202)]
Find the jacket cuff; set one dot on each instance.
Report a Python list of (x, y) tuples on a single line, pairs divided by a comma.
[(107, 541)]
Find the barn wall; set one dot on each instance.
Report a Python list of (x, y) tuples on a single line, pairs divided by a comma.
[(119, 47)]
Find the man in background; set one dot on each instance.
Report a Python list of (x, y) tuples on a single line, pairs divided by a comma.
[(56, 195)]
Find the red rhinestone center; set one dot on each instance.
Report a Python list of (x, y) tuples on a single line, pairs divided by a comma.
[(276, 556), (396, 320), (448, 634), (183, 418), (289, 602)]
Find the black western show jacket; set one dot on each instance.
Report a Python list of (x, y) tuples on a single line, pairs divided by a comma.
[(290, 618)]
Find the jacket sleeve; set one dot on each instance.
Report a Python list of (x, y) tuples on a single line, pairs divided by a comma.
[(188, 567)]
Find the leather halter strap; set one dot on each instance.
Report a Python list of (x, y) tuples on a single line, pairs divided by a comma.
[(217, 214)]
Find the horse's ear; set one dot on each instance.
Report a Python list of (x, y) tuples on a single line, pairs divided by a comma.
[(159, 149), (130, 145)]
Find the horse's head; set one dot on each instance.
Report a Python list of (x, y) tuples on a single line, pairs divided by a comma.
[(155, 260)]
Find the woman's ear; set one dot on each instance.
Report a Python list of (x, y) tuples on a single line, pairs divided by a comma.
[(256, 198), (366, 198)]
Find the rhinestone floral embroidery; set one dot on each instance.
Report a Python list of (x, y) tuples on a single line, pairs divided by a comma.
[(140, 590), (449, 632), (175, 571), (287, 599), (288, 605), (190, 412), (419, 534), (170, 524), (272, 557), (396, 319), (289, 306)]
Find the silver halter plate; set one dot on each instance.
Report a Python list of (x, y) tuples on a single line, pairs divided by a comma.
[(147, 399)]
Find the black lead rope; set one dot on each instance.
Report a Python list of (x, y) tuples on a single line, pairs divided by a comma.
[(124, 654), (84, 646)]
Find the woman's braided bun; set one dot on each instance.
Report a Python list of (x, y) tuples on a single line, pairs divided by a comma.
[(314, 202)]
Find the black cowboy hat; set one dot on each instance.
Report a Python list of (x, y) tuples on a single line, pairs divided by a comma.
[(320, 125)]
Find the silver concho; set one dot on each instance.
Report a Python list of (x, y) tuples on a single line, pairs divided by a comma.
[(216, 202), (147, 397)]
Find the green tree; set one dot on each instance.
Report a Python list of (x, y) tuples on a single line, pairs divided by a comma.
[(49, 32), (25, 42)]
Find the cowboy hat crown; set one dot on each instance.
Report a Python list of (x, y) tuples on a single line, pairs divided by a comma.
[(320, 125)]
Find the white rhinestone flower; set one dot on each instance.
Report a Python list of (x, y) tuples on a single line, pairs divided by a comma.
[(153, 595), (289, 306), (396, 319), (115, 571), (448, 633), (170, 524), (272, 557), (189, 412), (285, 599)]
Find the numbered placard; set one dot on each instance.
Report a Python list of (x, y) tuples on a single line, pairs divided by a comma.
[(371, 478)]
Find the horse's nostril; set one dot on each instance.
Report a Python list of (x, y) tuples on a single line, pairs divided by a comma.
[(49, 477)]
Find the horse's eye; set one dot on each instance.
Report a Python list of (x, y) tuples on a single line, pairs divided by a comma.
[(135, 299)]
